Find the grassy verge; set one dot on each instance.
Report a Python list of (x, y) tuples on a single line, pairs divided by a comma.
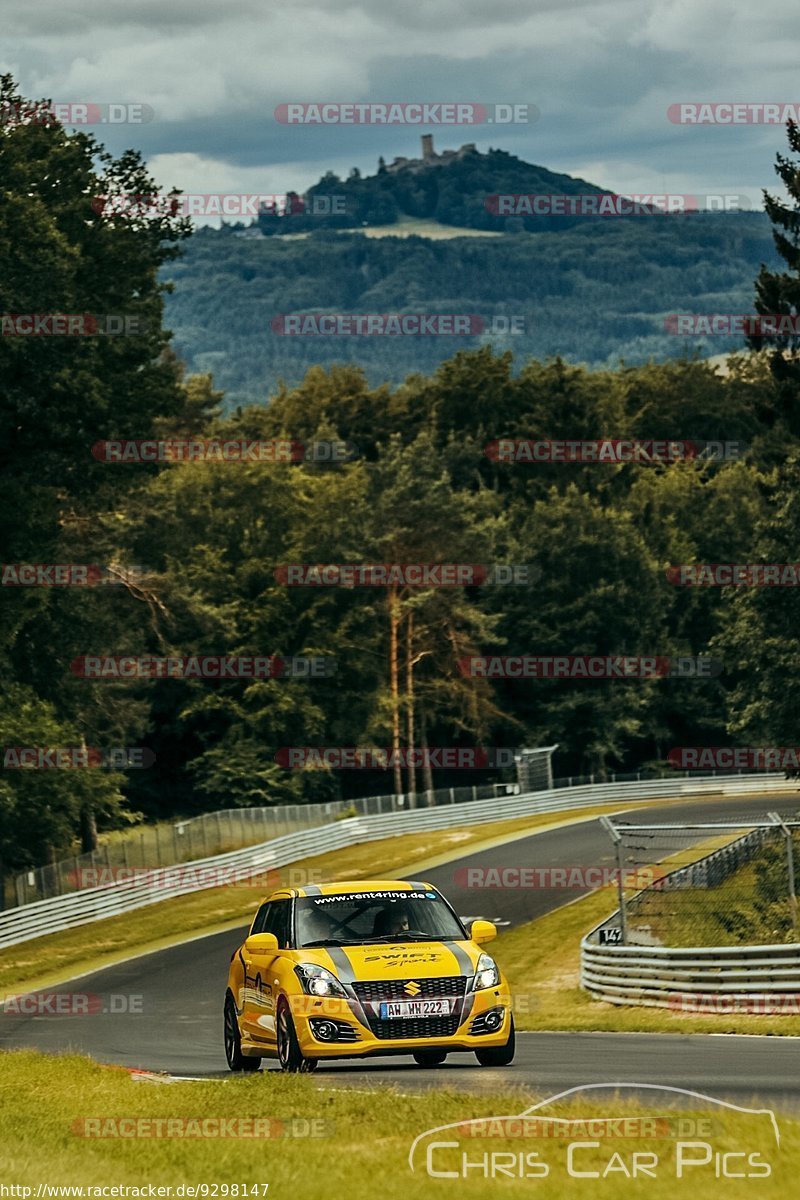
[(44, 960), (364, 1145)]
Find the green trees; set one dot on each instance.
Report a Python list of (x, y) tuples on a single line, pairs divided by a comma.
[(61, 253), (421, 487)]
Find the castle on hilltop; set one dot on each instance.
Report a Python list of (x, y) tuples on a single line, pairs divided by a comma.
[(429, 156)]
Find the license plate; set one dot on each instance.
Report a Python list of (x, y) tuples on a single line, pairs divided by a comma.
[(408, 1009)]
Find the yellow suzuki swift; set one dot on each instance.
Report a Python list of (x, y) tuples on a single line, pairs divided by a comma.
[(351, 970)]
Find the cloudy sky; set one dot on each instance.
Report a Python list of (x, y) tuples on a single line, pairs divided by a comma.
[(602, 76)]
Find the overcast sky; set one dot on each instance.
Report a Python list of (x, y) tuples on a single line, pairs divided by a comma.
[(602, 76)]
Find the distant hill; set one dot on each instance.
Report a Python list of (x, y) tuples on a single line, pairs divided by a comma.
[(592, 289), (452, 188)]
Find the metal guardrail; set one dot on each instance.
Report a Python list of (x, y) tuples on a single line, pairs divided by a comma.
[(672, 977), (190, 838), (683, 977), (93, 904)]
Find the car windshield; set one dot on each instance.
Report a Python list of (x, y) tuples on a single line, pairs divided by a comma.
[(359, 918)]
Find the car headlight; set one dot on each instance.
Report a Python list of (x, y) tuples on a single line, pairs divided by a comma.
[(318, 981), (486, 974)]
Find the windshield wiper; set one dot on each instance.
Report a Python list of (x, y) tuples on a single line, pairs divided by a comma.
[(407, 936), (333, 942)]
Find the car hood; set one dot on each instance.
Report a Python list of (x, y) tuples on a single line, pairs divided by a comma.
[(396, 960)]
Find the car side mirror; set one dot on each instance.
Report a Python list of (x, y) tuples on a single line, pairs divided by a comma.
[(261, 943), (482, 931)]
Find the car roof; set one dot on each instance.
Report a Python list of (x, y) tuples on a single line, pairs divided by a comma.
[(352, 886)]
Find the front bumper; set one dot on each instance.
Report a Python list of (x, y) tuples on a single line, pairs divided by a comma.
[(350, 1017)]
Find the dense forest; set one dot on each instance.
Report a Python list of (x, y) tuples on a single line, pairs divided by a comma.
[(597, 293), (197, 549)]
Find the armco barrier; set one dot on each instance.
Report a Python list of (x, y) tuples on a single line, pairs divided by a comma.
[(669, 977), (93, 904)]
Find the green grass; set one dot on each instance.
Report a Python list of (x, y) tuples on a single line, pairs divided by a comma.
[(367, 1136)]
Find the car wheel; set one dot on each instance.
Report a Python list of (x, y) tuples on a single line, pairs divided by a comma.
[(233, 1041), (429, 1058), (290, 1055), (499, 1056)]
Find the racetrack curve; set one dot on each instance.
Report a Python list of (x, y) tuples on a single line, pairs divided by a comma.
[(178, 1027)]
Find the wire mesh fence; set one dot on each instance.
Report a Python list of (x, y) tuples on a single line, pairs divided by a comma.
[(165, 845), (712, 884)]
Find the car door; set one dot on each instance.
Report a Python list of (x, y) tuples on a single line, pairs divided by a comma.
[(262, 974)]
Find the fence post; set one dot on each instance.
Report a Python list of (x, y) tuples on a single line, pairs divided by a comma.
[(790, 864), (616, 837)]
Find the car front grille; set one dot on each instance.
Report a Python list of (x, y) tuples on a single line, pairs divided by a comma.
[(417, 1027), (374, 991), (394, 989)]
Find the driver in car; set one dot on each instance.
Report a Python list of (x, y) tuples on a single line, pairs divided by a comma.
[(391, 920)]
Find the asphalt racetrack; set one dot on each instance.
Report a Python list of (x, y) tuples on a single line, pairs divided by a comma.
[(178, 1028)]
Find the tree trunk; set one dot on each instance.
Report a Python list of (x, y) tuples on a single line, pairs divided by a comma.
[(394, 620), (412, 770), (427, 773), (88, 829), (88, 819)]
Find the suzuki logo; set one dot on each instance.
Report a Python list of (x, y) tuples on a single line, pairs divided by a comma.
[(412, 988)]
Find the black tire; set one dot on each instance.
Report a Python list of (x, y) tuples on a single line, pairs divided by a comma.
[(290, 1055), (233, 1041), (429, 1058), (499, 1056)]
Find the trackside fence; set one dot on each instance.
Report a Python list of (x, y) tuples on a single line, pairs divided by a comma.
[(142, 888), (623, 963)]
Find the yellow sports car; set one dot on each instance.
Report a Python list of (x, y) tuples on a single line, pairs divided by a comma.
[(350, 970)]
